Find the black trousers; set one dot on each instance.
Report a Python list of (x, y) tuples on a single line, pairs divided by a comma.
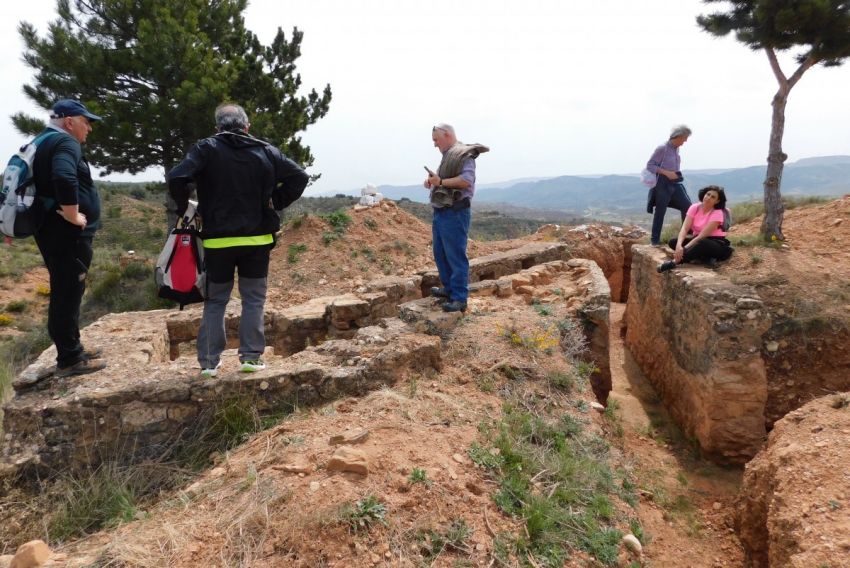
[(248, 261), (67, 260), (711, 247)]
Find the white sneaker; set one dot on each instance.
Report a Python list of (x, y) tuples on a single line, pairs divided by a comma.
[(210, 373), (252, 366)]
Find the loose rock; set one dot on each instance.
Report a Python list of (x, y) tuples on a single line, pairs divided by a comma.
[(31, 555), (349, 459), (348, 438), (631, 542)]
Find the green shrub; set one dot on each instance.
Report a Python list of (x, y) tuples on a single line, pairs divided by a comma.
[(103, 498), (296, 221), (418, 475), (556, 479), (364, 514), (743, 212), (293, 252), (370, 223), (670, 230), (338, 220), (562, 381), (433, 543), (541, 309), (6, 320)]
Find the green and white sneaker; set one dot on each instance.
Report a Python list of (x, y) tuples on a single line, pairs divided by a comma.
[(252, 366), (210, 373)]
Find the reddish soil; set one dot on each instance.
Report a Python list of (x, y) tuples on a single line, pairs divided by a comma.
[(250, 512)]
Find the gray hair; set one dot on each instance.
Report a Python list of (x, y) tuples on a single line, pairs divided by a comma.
[(57, 122), (230, 116), (680, 130), (445, 128)]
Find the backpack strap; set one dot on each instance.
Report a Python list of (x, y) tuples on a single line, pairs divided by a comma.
[(48, 201)]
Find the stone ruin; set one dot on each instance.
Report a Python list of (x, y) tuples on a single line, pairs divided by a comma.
[(711, 350), (151, 393)]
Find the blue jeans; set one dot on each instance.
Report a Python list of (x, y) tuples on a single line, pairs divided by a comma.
[(450, 231), (667, 194)]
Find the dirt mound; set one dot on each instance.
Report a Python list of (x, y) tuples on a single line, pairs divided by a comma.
[(812, 266), (805, 285), (318, 256), (794, 499)]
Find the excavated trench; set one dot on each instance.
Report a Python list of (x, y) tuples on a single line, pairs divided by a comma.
[(728, 366)]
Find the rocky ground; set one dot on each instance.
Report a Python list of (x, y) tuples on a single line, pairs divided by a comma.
[(276, 501)]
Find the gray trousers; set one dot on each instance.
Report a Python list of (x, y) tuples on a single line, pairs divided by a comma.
[(212, 337)]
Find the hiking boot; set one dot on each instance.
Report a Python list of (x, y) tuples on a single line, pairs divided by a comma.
[(252, 366), (81, 367), (95, 353), (210, 372), (454, 306), (439, 292), (666, 265), (25, 381)]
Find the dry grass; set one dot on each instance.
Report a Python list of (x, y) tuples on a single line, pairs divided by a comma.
[(149, 549)]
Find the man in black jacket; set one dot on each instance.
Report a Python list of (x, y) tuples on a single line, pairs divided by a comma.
[(72, 215), (242, 183)]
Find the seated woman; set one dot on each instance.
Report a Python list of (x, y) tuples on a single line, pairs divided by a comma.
[(707, 241)]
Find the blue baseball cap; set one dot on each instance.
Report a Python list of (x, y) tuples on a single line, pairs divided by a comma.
[(70, 107)]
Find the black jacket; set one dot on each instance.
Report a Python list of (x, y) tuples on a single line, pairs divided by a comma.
[(242, 182), (61, 175)]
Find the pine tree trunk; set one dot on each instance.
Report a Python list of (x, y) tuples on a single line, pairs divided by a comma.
[(771, 226)]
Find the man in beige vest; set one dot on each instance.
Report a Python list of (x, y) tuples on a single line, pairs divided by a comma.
[(452, 188)]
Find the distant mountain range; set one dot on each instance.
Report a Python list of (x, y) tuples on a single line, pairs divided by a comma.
[(617, 196)]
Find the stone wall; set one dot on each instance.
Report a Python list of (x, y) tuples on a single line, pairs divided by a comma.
[(698, 339), (151, 393), (495, 266), (291, 329), (609, 247), (142, 403), (594, 313)]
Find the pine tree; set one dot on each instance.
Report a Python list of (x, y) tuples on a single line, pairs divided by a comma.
[(156, 70), (819, 29)]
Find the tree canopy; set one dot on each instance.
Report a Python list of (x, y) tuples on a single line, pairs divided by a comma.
[(156, 70), (819, 31)]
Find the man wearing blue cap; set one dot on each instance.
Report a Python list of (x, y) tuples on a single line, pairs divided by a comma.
[(64, 185)]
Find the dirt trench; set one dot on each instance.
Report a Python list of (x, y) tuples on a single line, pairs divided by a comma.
[(687, 503)]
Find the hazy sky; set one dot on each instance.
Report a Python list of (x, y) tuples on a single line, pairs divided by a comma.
[(553, 87)]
